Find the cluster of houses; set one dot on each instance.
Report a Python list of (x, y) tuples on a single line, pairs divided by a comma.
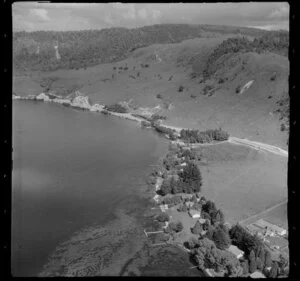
[(232, 248), (270, 233)]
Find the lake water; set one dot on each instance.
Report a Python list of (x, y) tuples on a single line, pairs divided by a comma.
[(71, 169)]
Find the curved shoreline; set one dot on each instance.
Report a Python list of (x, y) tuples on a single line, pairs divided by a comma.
[(82, 102)]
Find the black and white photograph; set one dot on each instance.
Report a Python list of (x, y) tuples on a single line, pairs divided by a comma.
[(150, 139)]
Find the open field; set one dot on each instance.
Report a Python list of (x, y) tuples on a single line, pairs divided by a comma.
[(243, 181), (276, 215)]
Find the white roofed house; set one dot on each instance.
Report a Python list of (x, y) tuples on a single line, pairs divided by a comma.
[(257, 274), (189, 204), (195, 214), (236, 251), (202, 221)]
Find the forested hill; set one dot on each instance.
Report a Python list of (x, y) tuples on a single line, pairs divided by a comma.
[(49, 50)]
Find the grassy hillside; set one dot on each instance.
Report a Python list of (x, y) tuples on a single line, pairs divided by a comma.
[(35, 50), (220, 79)]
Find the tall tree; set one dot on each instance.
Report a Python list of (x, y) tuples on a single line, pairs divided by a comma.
[(165, 187), (283, 262), (197, 228), (210, 232), (191, 175), (245, 265), (268, 260), (252, 262), (221, 238), (209, 207), (259, 264), (274, 270), (262, 256)]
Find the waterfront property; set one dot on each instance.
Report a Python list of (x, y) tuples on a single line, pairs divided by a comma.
[(236, 251)]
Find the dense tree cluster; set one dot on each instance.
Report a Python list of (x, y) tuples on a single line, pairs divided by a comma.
[(162, 217), (191, 176), (190, 180), (174, 200), (188, 154), (258, 257), (283, 109), (207, 255), (174, 227), (116, 108), (209, 211), (244, 240), (196, 136), (197, 228), (221, 237), (163, 130), (170, 162)]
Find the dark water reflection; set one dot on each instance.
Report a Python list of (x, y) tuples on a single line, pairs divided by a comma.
[(71, 170)]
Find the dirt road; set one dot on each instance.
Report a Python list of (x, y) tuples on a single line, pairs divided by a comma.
[(259, 146)]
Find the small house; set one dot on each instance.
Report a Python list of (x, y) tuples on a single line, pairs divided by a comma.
[(202, 221), (189, 204), (236, 251), (209, 272), (195, 214), (156, 198), (257, 274), (163, 207)]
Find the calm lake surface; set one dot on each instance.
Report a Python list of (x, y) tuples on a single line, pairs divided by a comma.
[(71, 169)]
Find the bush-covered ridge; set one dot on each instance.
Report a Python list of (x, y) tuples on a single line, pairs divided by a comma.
[(276, 42), (35, 50)]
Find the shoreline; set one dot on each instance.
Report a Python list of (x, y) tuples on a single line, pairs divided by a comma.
[(82, 102)]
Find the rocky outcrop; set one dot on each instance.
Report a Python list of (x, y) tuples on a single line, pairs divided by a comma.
[(96, 107), (42, 97), (246, 86), (81, 102)]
